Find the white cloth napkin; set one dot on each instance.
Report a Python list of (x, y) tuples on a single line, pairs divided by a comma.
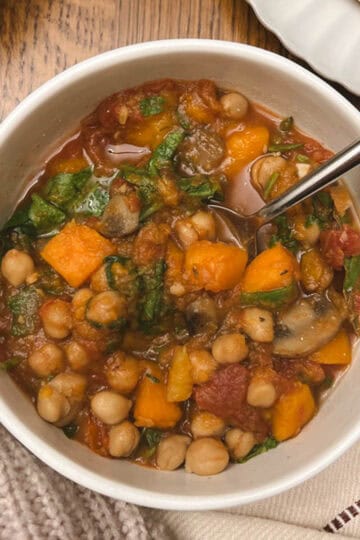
[(36, 503)]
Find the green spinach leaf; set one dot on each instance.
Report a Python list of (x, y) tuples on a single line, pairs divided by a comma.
[(201, 187), (10, 364), (284, 234), (152, 105), (284, 147), (44, 216), (352, 273), (164, 153), (258, 449), (152, 290), (150, 438), (92, 202), (62, 189), (24, 307)]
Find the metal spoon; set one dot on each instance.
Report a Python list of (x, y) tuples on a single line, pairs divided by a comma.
[(244, 228)]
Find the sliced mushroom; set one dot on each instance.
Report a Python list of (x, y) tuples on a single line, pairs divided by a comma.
[(201, 315), (306, 326), (263, 168), (201, 152), (118, 218)]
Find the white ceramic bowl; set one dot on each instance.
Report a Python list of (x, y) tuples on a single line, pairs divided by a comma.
[(34, 129)]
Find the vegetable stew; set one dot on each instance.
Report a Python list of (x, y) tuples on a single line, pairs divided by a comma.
[(133, 322)]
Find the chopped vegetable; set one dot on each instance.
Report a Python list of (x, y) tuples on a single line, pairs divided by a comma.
[(70, 430), (284, 235), (284, 147), (301, 158), (270, 184), (274, 268), (214, 266), (151, 289), (121, 274), (152, 105), (270, 299), (76, 252), (352, 273), (152, 409), (260, 448), (92, 202), (163, 154), (293, 410), (24, 307), (244, 146), (202, 187), (10, 364), (64, 188), (44, 216), (180, 381), (337, 351), (287, 124)]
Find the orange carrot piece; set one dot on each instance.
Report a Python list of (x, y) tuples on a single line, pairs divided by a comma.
[(152, 409), (214, 266), (337, 351), (293, 410), (76, 252), (274, 268)]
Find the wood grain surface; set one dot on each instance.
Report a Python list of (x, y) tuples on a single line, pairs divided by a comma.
[(39, 38)]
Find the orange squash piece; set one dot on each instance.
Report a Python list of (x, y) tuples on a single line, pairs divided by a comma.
[(76, 252), (152, 409), (274, 268), (337, 351), (180, 381), (214, 266), (244, 146), (293, 410), (152, 130)]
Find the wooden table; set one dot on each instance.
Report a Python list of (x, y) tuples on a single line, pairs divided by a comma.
[(39, 38)]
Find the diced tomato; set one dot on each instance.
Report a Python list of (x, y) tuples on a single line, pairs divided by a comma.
[(225, 396), (338, 244)]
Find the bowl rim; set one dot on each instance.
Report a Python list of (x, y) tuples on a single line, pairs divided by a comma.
[(54, 458)]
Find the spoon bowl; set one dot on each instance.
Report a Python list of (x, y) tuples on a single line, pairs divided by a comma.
[(245, 230)]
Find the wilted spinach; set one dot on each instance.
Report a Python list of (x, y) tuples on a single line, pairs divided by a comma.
[(24, 307)]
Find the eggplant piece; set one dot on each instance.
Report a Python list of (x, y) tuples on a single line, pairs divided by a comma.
[(200, 152)]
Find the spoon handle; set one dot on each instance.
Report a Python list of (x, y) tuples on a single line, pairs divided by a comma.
[(313, 182)]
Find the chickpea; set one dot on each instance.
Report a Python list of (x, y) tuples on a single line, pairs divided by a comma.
[(47, 360), (203, 366), (56, 318), (79, 303), (106, 308), (122, 372), (16, 267), (177, 289), (261, 393), (186, 232), (171, 452), (206, 424), (258, 324), (230, 348), (204, 224), (99, 282), (71, 385), (52, 406), (110, 407), (235, 105), (309, 234), (206, 457), (239, 442), (77, 355), (123, 439)]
